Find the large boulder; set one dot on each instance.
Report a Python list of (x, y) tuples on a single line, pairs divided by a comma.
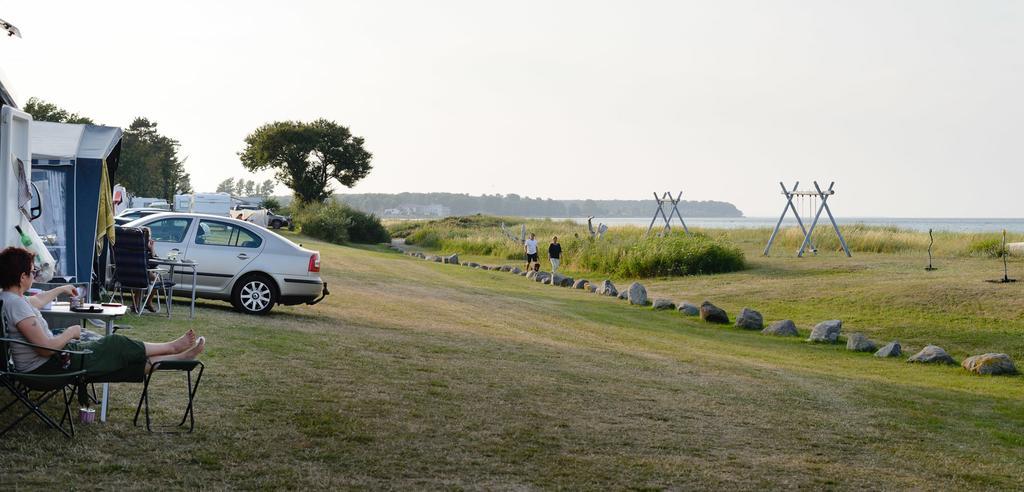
[(433, 258), (750, 320), (515, 270), (592, 288), (542, 277), (891, 349), (474, 264), (858, 342), (990, 364), (711, 313), (637, 294), (485, 267), (623, 295), (560, 280), (453, 259), (660, 304), (826, 331), (784, 328), (531, 275), (689, 309), (607, 288), (932, 354), (580, 283)]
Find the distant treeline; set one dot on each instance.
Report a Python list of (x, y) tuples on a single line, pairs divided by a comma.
[(512, 204)]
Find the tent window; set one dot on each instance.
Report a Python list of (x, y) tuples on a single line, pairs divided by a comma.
[(52, 224)]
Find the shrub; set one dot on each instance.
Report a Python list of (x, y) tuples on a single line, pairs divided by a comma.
[(987, 247), (340, 223), (652, 256)]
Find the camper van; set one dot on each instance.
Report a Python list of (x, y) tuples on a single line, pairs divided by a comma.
[(203, 203)]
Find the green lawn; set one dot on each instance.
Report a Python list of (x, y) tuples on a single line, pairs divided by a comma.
[(422, 375)]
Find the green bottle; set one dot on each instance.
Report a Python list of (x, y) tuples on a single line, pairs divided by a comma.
[(25, 240)]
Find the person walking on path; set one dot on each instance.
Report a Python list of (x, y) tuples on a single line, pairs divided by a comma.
[(555, 254), (531, 250)]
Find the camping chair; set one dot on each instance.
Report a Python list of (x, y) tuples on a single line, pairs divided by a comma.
[(24, 386), (132, 268)]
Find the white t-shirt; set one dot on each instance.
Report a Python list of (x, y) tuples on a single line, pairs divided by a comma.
[(16, 309), (531, 246)]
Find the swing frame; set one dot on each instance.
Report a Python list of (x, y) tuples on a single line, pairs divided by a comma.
[(664, 199), (795, 192)]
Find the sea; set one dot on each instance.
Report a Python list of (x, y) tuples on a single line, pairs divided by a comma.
[(915, 224)]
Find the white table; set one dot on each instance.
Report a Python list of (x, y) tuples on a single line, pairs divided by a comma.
[(61, 310), (170, 293)]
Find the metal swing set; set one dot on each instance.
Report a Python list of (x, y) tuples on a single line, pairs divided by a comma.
[(810, 200), (663, 201)]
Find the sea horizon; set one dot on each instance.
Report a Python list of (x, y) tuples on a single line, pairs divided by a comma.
[(922, 224)]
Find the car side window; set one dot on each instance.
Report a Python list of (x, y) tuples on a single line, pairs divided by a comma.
[(216, 233), (171, 230)]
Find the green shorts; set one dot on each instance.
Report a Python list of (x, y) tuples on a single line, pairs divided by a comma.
[(114, 359)]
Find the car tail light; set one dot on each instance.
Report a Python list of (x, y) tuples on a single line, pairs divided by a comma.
[(314, 263)]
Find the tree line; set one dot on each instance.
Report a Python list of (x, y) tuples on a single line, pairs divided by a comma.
[(524, 206)]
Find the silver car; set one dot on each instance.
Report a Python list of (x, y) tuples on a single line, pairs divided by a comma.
[(248, 265)]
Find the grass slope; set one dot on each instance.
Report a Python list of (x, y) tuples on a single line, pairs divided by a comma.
[(421, 375)]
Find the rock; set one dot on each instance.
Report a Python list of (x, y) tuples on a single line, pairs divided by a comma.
[(858, 342), (784, 328), (580, 284), (474, 264), (713, 314), (433, 258), (592, 288), (826, 331), (689, 309), (637, 294), (622, 295), (531, 275), (566, 282), (607, 288), (891, 349), (522, 274), (990, 364), (485, 267), (660, 304), (515, 270), (561, 280), (932, 354), (453, 259), (541, 277), (750, 320)]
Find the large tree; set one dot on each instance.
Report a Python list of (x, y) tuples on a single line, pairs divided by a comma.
[(150, 165), (46, 111), (307, 157)]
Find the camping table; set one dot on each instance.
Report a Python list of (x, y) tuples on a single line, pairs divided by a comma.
[(170, 294), (61, 310)]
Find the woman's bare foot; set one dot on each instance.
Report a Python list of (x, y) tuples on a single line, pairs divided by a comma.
[(194, 352), (184, 342)]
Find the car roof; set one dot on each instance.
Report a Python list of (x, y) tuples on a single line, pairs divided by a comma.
[(248, 225)]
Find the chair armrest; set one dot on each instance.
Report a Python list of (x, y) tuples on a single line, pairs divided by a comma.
[(62, 351)]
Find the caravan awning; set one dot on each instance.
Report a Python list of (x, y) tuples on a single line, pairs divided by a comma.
[(66, 142)]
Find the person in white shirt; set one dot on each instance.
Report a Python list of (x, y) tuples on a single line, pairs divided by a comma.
[(531, 251)]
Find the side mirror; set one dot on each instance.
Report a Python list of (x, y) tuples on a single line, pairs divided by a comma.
[(36, 211)]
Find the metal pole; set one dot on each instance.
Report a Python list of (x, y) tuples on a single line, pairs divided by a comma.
[(830, 217), (789, 204), (656, 199), (675, 210)]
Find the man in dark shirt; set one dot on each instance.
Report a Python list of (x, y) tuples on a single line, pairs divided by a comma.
[(555, 254)]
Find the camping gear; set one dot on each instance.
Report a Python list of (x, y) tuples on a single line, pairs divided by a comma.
[(186, 366), (72, 166)]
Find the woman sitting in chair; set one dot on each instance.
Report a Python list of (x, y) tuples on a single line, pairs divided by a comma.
[(113, 356)]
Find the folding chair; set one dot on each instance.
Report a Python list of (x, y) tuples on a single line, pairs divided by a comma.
[(24, 387), (132, 269)]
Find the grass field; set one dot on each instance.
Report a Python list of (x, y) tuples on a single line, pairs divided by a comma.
[(421, 375)]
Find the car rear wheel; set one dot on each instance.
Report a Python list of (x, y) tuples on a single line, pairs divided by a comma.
[(275, 224), (254, 294)]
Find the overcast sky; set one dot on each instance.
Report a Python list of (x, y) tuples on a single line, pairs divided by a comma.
[(914, 108)]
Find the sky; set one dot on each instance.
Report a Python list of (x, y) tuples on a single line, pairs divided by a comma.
[(913, 108)]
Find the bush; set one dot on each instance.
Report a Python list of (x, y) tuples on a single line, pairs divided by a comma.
[(989, 248), (338, 223)]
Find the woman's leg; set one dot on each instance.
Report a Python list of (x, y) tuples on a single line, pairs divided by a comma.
[(189, 354), (182, 344)]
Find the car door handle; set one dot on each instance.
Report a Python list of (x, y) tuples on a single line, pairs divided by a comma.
[(242, 256)]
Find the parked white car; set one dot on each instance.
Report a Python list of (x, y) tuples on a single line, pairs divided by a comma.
[(250, 266)]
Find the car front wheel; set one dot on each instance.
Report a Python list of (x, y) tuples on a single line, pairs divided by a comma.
[(254, 294)]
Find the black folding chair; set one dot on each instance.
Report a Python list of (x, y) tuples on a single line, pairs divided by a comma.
[(34, 390), (132, 268)]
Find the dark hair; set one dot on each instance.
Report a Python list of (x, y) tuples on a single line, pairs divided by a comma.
[(14, 261)]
